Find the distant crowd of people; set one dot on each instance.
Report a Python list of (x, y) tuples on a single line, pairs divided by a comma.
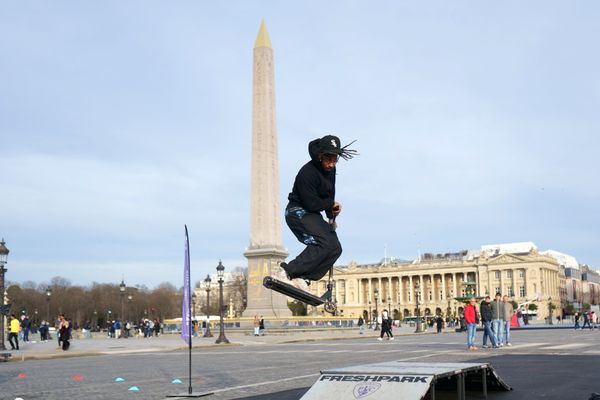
[(145, 328)]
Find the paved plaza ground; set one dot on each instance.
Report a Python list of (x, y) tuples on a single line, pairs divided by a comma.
[(545, 363)]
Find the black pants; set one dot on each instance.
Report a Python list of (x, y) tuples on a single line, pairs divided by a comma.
[(12, 336), (322, 245), (386, 328)]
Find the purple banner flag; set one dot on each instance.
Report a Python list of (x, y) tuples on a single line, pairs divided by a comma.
[(185, 308)]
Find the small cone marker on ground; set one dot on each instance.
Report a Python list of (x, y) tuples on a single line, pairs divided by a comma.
[(22, 376), (77, 378), (119, 380), (134, 389), (176, 381)]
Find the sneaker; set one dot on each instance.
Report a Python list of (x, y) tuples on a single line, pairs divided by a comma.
[(485, 346), (380, 339), (392, 338), (508, 344)]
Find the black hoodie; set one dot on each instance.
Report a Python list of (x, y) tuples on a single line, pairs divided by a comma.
[(314, 188)]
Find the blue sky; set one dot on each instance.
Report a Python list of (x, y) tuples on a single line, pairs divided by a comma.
[(477, 123)]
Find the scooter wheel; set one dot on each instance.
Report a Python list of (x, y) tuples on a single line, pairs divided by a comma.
[(268, 282), (330, 307)]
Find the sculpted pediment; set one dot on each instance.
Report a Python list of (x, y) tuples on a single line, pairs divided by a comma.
[(505, 259)]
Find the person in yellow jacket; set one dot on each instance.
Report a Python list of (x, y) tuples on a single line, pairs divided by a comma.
[(15, 328)]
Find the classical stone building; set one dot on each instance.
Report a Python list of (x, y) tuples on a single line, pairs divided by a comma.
[(517, 270)]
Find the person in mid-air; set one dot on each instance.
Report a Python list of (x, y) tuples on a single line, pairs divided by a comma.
[(312, 194)]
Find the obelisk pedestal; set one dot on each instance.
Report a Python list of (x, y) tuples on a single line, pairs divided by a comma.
[(266, 250)]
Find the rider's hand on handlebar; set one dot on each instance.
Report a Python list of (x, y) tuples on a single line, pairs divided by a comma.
[(337, 208)]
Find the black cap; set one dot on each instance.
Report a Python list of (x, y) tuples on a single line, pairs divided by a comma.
[(330, 145)]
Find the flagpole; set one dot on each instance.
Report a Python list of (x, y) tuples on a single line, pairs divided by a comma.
[(187, 318), (189, 311)]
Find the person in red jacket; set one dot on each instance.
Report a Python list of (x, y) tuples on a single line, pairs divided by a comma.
[(471, 320)]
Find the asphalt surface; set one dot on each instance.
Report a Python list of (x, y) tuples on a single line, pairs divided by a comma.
[(549, 364)]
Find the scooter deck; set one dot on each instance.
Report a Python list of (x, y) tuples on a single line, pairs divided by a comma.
[(294, 292)]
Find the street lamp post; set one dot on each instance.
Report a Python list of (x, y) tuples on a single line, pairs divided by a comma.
[(220, 272), (95, 327), (129, 299), (376, 294), (417, 294), (122, 288), (48, 294), (370, 314), (207, 281), (3, 260), (194, 299)]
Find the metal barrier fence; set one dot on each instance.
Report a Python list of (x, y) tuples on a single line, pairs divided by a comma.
[(291, 323)]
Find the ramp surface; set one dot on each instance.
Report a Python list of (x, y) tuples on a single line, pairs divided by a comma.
[(403, 380)]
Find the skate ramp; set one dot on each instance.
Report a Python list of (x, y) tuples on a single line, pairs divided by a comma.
[(405, 380)]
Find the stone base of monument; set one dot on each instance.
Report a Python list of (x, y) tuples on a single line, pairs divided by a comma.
[(406, 380)]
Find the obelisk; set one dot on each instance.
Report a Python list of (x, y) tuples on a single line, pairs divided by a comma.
[(266, 250)]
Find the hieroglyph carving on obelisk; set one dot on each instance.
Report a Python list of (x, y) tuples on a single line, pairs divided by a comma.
[(266, 250)]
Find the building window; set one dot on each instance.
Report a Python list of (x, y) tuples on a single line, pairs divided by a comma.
[(521, 273), (342, 284), (511, 293), (497, 274), (441, 295), (497, 291), (509, 274), (522, 291), (430, 296)]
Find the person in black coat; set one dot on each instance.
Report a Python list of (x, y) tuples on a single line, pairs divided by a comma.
[(439, 323), (313, 193), (486, 319)]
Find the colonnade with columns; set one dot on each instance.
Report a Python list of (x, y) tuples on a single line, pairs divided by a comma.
[(356, 289)]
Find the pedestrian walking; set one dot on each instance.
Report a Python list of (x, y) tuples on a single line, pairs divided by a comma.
[(117, 326), (261, 326), (204, 327), (25, 327), (44, 331), (361, 325), (498, 319), (470, 313), (520, 317), (576, 316), (486, 320), (507, 317), (64, 332), (256, 325), (439, 321), (586, 321), (386, 326), (14, 329)]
